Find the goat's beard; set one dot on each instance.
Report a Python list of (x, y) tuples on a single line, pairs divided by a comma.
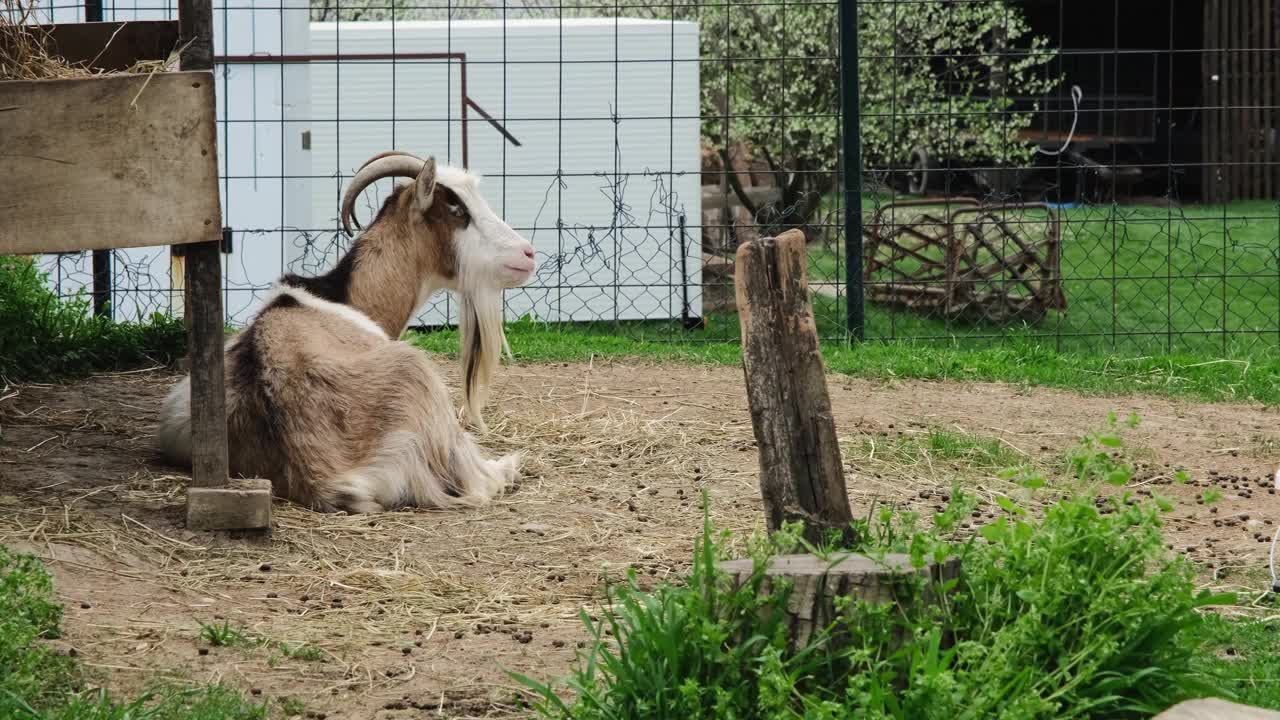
[(483, 342)]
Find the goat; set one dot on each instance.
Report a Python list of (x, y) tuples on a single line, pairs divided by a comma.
[(325, 401)]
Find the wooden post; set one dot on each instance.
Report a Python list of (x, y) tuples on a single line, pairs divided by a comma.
[(214, 501), (801, 477)]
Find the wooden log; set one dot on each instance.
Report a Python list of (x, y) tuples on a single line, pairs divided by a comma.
[(801, 477), (816, 583), (1215, 709)]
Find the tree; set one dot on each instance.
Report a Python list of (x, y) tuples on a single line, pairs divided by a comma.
[(933, 74)]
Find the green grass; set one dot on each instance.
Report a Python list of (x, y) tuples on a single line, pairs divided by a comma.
[(1017, 361), (226, 636), (1244, 651), (44, 337), (972, 451), (1077, 613), (309, 653), (1138, 281), (38, 683)]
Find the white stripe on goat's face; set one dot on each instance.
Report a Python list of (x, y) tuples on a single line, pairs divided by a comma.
[(491, 255)]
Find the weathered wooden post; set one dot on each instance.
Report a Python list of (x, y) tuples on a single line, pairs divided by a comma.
[(215, 501), (801, 476)]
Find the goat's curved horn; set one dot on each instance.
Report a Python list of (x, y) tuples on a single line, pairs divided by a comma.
[(391, 165), (388, 153)]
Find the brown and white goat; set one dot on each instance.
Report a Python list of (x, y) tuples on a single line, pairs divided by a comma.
[(322, 397)]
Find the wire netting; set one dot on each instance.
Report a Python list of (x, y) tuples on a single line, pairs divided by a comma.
[(1089, 175)]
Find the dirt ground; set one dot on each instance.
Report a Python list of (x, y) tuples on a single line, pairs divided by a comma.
[(421, 613)]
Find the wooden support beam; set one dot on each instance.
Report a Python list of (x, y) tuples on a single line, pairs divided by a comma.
[(801, 477), (214, 501)]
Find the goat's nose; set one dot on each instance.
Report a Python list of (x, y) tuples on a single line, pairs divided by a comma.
[(528, 251)]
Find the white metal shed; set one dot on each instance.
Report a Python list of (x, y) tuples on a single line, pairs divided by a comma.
[(611, 103)]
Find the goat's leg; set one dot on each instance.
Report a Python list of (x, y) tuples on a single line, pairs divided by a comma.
[(428, 459)]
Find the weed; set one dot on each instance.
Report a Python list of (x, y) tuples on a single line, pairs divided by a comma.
[(36, 683), (225, 636), (309, 653), (292, 707)]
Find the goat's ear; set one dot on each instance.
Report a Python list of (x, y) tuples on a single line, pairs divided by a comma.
[(424, 186)]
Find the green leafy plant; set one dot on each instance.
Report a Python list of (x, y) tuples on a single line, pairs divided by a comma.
[(310, 653), (1077, 613), (43, 337)]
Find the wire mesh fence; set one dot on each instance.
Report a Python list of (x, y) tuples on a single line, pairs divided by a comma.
[(1089, 175)]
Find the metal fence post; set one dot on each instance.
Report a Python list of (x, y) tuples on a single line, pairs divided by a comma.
[(851, 169), (101, 258)]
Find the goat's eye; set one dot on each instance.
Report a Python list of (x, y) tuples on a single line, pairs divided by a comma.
[(456, 208)]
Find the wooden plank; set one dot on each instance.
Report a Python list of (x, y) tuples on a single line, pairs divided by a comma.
[(108, 162), (1208, 90), (108, 46), (1234, 74), (1258, 36), (195, 32), (1270, 96), (801, 477)]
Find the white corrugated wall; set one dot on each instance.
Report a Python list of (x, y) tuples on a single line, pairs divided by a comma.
[(606, 235)]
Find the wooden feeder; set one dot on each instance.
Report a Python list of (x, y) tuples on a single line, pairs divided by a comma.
[(129, 160), (963, 261)]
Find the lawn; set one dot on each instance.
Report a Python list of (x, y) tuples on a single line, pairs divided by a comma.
[(1197, 280), (1149, 291)]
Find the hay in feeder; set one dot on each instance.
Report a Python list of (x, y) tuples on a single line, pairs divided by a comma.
[(27, 52)]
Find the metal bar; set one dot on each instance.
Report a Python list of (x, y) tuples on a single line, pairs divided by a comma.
[(101, 258), (684, 275), (462, 81), (851, 170), (344, 57), (496, 125)]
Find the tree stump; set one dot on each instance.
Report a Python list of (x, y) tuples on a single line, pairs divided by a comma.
[(801, 477), (817, 583)]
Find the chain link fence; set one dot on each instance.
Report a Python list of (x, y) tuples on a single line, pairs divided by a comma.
[(1093, 176)]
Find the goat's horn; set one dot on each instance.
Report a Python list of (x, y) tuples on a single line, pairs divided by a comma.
[(388, 153), (391, 165)]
